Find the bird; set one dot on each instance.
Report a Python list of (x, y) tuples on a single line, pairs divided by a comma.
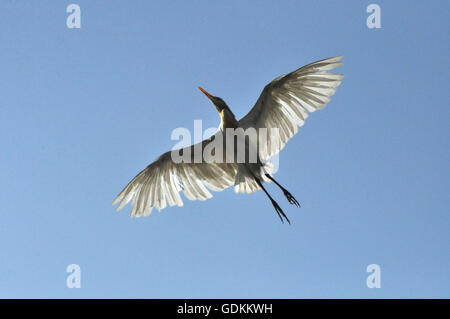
[(282, 107)]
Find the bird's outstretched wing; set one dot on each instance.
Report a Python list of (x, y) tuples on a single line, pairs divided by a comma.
[(159, 183), (284, 103)]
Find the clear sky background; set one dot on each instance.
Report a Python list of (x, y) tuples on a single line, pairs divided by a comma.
[(84, 110)]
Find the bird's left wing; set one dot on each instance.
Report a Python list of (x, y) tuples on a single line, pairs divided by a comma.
[(159, 183), (284, 103)]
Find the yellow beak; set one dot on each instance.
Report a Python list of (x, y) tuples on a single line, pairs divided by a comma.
[(206, 93)]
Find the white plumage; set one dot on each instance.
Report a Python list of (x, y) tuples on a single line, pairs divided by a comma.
[(282, 107)]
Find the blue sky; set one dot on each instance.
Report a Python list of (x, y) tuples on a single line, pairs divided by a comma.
[(83, 110)]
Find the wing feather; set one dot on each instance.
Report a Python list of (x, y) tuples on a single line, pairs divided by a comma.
[(284, 104), (160, 183)]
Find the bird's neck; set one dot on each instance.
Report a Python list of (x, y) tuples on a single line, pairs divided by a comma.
[(227, 119)]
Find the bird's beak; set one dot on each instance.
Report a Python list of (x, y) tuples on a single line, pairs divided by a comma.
[(206, 93)]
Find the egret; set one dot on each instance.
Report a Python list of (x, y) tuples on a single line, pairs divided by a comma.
[(282, 107)]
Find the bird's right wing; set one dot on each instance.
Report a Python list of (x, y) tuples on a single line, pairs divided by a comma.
[(161, 181), (284, 103)]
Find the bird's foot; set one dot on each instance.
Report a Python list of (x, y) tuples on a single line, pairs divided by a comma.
[(280, 212), (291, 199)]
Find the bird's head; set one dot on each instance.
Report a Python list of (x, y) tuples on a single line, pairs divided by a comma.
[(217, 101)]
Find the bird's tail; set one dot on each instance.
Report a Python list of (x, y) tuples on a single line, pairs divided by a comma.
[(245, 177)]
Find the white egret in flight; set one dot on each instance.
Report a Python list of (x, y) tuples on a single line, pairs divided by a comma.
[(281, 108)]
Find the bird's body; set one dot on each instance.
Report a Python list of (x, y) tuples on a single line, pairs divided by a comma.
[(239, 151)]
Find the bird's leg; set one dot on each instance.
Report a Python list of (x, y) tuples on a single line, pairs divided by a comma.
[(274, 203), (291, 199)]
